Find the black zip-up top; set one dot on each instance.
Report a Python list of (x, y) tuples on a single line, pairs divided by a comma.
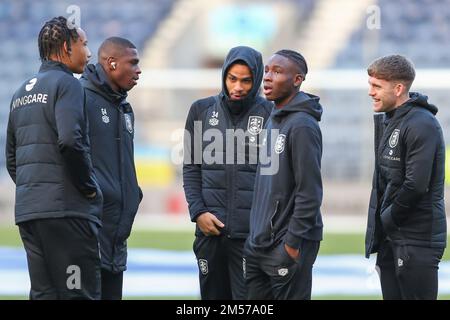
[(288, 188), (47, 148), (407, 199), (225, 188), (111, 132)]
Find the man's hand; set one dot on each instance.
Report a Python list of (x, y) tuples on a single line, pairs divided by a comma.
[(208, 224), (292, 252)]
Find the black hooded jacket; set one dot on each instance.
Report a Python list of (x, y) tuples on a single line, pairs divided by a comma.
[(407, 199), (47, 149), (225, 188), (111, 132), (288, 188)]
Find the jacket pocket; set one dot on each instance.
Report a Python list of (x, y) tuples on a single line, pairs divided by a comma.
[(96, 203), (387, 221), (288, 258), (125, 226), (282, 259), (98, 195)]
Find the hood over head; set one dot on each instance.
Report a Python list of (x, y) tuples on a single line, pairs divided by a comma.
[(253, 60)]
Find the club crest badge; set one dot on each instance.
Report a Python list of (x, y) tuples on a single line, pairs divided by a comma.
[(393, 140), (280, 142), (255, 124), (128, 122), (214, 121), (203, 265)]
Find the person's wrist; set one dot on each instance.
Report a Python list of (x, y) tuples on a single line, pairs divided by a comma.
[(293, 252)]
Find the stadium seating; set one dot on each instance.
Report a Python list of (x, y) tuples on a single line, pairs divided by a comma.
[(20, 22), (419, 29)]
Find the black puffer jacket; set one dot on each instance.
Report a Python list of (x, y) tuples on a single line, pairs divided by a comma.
[(111, 132), (226, 190), (407, 200), (47, 149)]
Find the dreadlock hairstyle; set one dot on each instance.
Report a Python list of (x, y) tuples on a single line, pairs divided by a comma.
[(52, 37), (297, 58)]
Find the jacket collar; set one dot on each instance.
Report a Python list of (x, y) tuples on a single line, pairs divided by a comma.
[(54, 65)]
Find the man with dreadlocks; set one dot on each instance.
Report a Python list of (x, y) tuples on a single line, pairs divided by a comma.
[(285, 220), (58, 202)]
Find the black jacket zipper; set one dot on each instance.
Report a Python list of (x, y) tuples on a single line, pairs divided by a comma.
[(272, 233)]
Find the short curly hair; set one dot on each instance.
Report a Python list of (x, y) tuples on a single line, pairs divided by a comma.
[(393, 68)]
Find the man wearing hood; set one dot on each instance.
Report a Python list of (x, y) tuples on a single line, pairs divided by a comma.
[(219, 193), (285, 220), (111, 133), (406, 221)]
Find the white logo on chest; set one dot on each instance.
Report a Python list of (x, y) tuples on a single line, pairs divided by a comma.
[(279, 144), (214, 121), (105, 117), (393, 140), (255, 124), (128, 122)]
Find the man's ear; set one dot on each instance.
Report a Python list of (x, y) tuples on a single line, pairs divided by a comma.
[(111, 63), (66, 49), (399, 89), (298, 80)]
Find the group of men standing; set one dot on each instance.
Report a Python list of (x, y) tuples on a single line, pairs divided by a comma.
[(259, 226), (256, 206)]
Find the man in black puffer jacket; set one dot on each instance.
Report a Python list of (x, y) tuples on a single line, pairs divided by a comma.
[(406, 222), (58, 202), (220, 190), (111, 132)]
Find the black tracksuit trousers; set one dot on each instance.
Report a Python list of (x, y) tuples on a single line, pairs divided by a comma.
[(271, 274), (220, 267), (63, 258), (408, 272)]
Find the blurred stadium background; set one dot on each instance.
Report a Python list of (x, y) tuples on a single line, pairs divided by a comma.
[(182, 44)]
